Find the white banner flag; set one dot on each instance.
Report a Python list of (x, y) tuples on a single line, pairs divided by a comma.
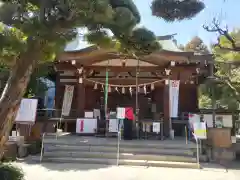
[(67, 100), (173, 97)]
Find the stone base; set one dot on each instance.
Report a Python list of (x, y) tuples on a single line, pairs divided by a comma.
[(23, 151), (223, 154), (10, 152)]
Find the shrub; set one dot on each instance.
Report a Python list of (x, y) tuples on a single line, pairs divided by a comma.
[(10, 172)]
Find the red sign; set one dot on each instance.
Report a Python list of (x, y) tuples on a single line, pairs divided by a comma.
[(190, 115), (81, 125), (129, 113), (174, 84)]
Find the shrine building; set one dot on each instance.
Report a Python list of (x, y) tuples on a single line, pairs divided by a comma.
[(85, 69)]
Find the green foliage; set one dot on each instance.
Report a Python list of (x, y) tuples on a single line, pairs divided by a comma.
[(228, 72), (129, 5), (227, 90), (176, 10), (204, 102), (100, 38), (142, 41), (53, 23), (12, 43), (10, 172)]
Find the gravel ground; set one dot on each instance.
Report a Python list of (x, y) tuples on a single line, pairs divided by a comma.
[(97, 172)]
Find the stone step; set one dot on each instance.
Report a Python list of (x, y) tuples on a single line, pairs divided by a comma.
[(113, 142), (129, 156), (121, 162), (113, 149)]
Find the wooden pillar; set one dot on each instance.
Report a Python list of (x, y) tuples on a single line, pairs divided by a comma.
[(57, 103), (166, 109), (80, 98), (65, 126)]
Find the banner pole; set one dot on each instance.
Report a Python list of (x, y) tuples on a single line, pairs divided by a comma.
[(186, 134), (169, 99), (106, 100)]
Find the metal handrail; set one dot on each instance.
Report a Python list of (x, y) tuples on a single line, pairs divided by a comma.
[(42, 148), (197, 140), (118, 147), (118, 140), (186, 134)]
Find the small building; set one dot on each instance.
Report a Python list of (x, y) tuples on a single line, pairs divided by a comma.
[(85, 69)]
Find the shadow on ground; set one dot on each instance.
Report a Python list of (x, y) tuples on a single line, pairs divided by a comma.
[(61, 167), (64, 166), (235, 165)]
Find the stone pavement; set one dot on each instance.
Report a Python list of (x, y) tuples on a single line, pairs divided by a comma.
[(99, 172)]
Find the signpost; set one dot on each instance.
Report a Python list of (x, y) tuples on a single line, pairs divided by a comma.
[(200, 132), (156, 127), (26, 115), (27, 111)]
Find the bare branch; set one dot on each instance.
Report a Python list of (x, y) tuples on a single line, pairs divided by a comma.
[(222, 32)]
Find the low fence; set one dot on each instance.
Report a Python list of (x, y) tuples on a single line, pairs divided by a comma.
[(44, 114)]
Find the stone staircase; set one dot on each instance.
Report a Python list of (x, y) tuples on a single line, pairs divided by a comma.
[(92, 150)]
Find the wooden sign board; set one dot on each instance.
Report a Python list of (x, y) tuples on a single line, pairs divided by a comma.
[(27, 111)]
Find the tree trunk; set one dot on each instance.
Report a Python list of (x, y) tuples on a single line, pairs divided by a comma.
[(15, 89)]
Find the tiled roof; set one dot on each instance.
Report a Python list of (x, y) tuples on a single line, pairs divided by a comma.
[(169, 45), (79, 44)]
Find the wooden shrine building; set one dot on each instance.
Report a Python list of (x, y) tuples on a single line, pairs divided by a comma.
[(85, 69)]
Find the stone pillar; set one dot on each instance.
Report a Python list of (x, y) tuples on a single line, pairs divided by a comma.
[(166, 113)]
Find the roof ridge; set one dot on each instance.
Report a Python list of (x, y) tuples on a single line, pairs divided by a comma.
[(166, 37)]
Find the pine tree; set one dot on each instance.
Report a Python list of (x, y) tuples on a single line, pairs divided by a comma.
[(176, 10)]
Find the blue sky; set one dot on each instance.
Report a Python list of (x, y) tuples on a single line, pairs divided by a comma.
[(227, 11)]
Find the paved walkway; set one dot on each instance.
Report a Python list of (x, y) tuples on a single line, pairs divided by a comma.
[(97, 172)]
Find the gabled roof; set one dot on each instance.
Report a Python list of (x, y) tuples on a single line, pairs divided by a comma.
[(79, 44), (88, 54), (168, 43)]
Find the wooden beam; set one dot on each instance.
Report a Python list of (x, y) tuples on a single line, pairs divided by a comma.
[(70, 67)]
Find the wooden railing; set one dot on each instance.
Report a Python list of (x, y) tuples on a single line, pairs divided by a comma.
[(45, 114)]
